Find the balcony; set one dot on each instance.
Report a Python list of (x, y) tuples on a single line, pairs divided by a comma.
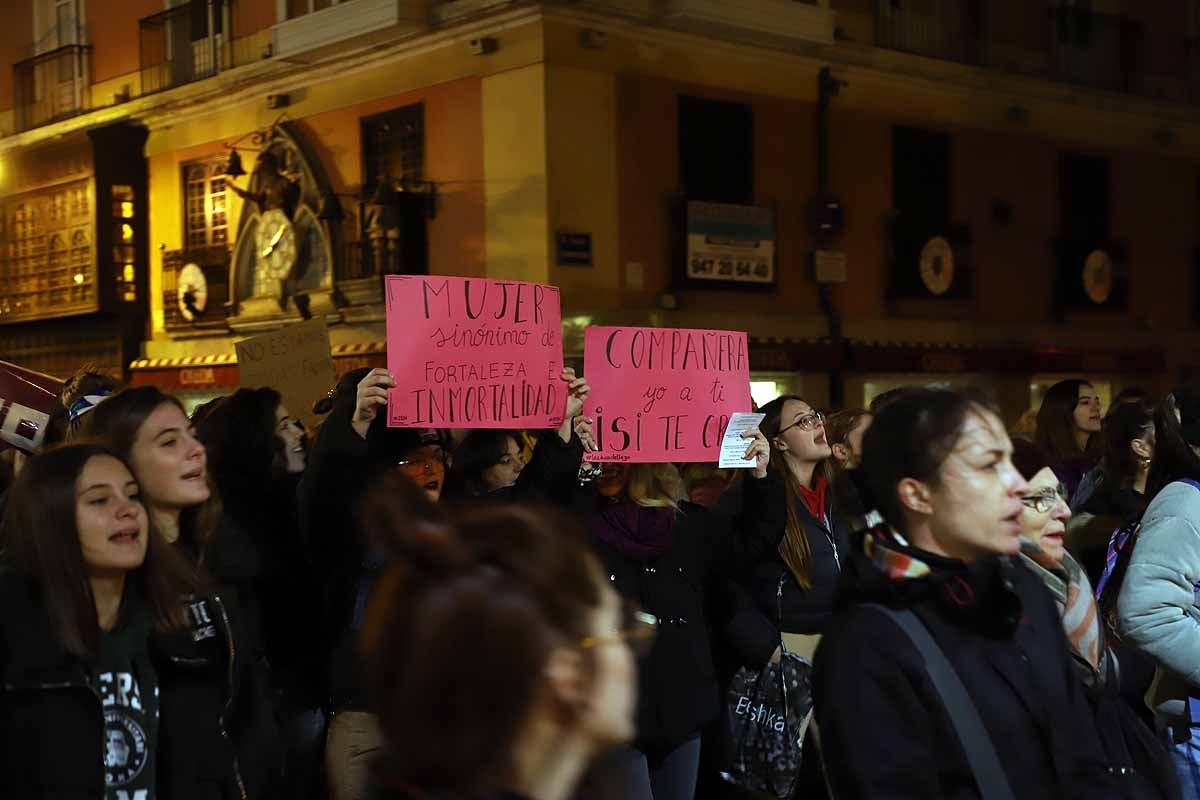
[(184, 44), (1061, 43), (807, 20), (312, 27), (52, 86)]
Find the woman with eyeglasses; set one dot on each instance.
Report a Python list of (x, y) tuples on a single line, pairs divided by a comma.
[(1126, 739), (1068, 424), (937, 468), (665, 554), (794, 584), (1158, 608), (498, 654), (354, 446)]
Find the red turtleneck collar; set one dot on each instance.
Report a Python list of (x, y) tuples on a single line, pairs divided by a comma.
[(814, 499)]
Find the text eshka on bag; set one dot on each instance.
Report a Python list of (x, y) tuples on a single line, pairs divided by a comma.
[(474, 353), (663, 394)]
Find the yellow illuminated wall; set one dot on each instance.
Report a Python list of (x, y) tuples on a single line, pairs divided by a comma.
[(515, 183)]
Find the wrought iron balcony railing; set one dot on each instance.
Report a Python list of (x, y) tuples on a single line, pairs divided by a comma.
[(184, 44), (1058, 42), (52, 86)]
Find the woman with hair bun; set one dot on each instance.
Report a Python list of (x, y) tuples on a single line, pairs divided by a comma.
[(506, 612)]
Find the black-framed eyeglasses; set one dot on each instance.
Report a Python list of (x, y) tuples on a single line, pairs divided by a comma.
[(806, 423), (1046, 499), (638, 630)]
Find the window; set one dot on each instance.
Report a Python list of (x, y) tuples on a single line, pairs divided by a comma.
[(921, 179), (716, 151), (1083, 198), (48, 266), (58, 23), (298, 8), (205, 221), (394, 144)]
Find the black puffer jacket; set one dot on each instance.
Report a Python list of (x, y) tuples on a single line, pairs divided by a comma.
[(51, 721), (678, 692), (882, 724), (805, 611)]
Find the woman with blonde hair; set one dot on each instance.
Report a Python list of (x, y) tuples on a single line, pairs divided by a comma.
[(661, 551)]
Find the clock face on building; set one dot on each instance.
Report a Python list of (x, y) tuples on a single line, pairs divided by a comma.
[(192, 292), (937, 266), (276, 245), (1098, 277)]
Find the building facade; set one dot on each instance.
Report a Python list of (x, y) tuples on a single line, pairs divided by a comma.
[(971, 192)]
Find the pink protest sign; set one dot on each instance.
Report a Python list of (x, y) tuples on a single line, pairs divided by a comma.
[(663, 394), (474, 353)]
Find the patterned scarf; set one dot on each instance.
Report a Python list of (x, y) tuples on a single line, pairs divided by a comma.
[(878, 544), (1076, 605)]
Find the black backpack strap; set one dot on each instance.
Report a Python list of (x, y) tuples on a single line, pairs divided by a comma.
[(976, 743)]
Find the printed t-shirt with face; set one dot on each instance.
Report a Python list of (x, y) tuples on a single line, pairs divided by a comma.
[(128, 687)]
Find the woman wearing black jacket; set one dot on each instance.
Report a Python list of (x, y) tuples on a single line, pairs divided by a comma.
[(150, 431), (118, 677), (937, 465), (353, 448), (664, 553), (255, 457), (795, 583), (1120, 498)]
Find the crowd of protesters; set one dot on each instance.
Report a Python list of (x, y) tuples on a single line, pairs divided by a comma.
[(225, 605)]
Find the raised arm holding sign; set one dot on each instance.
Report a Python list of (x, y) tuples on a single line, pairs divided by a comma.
[(474, 353), (663, 394)]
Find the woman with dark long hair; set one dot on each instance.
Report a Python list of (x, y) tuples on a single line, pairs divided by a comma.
[(1120, 494), (1157, 608), (794, 585), (937, 467), (256, 457), (150, 431), (1067, 421), (117, 666)]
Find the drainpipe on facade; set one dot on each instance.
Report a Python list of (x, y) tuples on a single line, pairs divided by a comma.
[(827, 89)]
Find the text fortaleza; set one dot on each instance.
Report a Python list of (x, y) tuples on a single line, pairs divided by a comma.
[(474, 352)]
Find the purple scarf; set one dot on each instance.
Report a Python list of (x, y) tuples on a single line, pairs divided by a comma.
[(635, 531)]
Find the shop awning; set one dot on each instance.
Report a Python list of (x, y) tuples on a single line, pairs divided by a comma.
[(220, 370)]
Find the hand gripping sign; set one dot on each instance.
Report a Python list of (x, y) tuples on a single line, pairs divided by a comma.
[(26, 400), (663, 394), (474, 353)]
